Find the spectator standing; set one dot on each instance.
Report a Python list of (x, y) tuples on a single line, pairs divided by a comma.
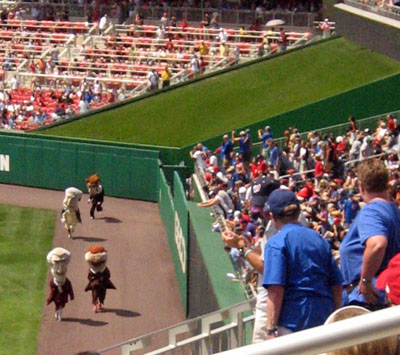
[(275, 156), (153, 78), (366, 148), (391, 123), (351, 208), (223, 35), (166, 77), (325, 28), (14, 83), (282, 41), (164, 20), (264, 137), (55, 53), (203, 48), (103, 23), (214, 20), (303, 281), (132, 9), (244, 144), (373, 238), (206, 21), (83, 105), (198, 155), (226, 150), (195, 66)]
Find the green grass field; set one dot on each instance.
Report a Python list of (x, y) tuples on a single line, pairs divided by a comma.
[(25, 239), (235, 99)]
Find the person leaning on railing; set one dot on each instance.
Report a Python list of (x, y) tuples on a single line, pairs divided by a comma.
[(373, 239)]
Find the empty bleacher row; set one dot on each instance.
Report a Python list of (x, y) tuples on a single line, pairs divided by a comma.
[(43, 57)]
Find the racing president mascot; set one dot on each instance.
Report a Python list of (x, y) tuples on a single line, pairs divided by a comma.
[(60, 286), (99, 275), (70, 215), (96, 194)]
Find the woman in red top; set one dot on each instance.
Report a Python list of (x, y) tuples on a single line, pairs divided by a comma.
[(319, 167)]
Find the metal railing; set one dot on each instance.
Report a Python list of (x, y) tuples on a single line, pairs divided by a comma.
[(390, 11), (154, 13), (226, 329), (201, 182), (331, 337), (236, 17), (337, 130), (214, 332), (350, 162)]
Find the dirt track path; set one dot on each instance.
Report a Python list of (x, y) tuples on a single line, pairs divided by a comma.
[(147, 296)]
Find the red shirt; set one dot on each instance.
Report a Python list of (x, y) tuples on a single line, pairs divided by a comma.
[(319, 169), (341, 146), (391, 124)]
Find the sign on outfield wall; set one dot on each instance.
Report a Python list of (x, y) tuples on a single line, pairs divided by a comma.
[(180, 243), (4, 162)]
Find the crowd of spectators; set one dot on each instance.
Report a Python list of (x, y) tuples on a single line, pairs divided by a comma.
[(24, 108), (346, 188), (113, 64), (60, 10), (319, 169)]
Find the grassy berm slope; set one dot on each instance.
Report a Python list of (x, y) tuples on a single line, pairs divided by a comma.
[(235, 99)]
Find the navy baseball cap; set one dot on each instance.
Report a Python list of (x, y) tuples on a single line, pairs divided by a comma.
[(279, 200)]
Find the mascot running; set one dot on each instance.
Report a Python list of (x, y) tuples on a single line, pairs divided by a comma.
[(60, 286), (96, 194), (70, 214), (99, 275)]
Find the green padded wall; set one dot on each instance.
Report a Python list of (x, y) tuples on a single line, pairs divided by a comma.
[(53, 164), (176, 228)]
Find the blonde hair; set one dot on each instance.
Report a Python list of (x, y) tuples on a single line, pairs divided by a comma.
[(385, 346)]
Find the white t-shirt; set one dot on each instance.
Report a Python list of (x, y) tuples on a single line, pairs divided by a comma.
[(14, 83), (103, 23), (213, 160), (199, 156)]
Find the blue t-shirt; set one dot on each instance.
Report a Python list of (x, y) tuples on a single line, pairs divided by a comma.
[(226, 149), (351, 209), (265, 137), (274, 154), (376, 218), (298, 259), (244, 147)]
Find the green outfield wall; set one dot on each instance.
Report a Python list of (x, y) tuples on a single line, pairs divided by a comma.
[(175, 217), (58, 164), (198, 254)]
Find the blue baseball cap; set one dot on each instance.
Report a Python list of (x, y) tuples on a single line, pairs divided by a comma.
[(279, 200)]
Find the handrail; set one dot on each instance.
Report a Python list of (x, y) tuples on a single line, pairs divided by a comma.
[(361, 123), (196, 331), (331, 337), (350, 162), (385, 10), (76, 77)]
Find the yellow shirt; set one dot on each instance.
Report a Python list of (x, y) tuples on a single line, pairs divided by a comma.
[(166, 75), (203, 49), (223, 50)]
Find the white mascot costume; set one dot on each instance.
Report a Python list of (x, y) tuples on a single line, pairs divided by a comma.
[(71, 215)]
